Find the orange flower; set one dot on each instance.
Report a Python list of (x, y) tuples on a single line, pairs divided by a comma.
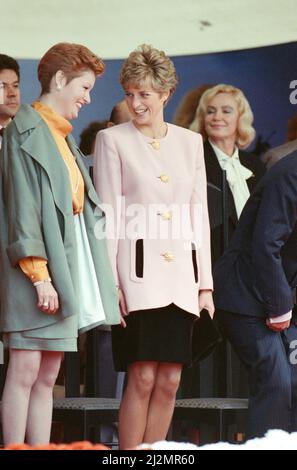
[(81, 445)]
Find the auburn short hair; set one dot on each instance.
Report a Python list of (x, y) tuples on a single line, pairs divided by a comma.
[(72, 59)]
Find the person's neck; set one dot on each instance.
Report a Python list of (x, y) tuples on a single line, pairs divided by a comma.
[(154, 131), (49, 100), (225, 145)]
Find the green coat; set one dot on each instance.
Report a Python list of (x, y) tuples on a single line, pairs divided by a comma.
[(36, 219)]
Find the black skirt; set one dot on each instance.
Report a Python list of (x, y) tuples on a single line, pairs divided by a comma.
[(160, 334)]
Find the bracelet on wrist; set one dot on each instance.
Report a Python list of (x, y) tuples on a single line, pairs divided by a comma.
[(38, 283)]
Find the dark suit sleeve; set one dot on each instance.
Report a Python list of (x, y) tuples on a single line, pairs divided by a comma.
[(275, 221), (267, 158)]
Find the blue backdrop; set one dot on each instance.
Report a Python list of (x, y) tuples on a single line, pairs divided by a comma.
[(264, 74)]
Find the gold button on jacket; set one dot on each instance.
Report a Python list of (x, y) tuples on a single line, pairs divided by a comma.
[(168, 256), (164, 178), (167, 215)]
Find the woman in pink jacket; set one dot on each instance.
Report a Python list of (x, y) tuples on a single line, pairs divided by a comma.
[(151, 177)]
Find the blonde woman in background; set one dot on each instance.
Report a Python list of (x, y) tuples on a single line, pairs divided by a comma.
[(224, 118)]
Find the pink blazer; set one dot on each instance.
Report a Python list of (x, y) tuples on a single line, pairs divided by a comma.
[(159, 245)]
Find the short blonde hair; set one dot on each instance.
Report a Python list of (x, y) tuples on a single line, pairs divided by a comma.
[(245, 131), (149, 64)]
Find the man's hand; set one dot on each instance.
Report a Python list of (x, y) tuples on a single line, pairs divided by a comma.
[(280, 326)]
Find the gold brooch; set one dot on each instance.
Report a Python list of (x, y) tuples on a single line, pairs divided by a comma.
[(155, 144)]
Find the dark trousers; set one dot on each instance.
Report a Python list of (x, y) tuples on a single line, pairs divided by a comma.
[(270, 359)]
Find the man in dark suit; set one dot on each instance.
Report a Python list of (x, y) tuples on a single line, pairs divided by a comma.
[(254, 290)]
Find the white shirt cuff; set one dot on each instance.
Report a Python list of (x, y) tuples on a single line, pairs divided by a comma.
[(281, 318)]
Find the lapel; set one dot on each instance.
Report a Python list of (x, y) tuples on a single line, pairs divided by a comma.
[(41, 146), (212, 166), (214, 176), (78, 155), (252, 181)]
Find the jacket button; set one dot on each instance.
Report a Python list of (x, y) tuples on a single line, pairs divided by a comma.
[(164, 178), (165, 215), (168, 256)]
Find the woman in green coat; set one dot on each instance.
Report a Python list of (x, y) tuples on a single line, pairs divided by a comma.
[(56, 277)]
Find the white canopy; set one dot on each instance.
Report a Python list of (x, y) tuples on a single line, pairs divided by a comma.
[(112, 28)]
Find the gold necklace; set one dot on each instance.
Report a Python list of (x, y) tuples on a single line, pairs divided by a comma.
[(156, 143), (74, 188), (77, 179)]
